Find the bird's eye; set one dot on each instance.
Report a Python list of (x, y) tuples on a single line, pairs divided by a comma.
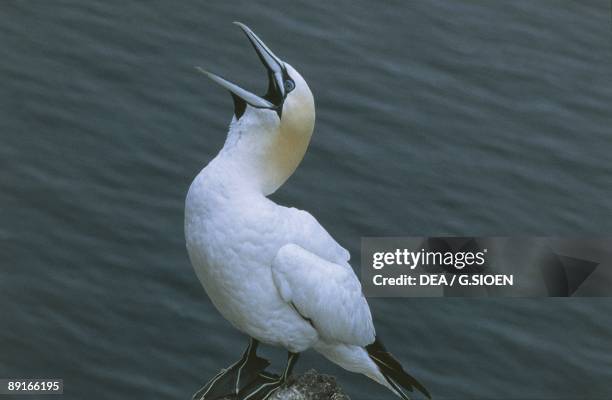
[(289, 85)]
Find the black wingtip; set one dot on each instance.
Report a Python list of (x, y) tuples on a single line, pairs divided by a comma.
[(393, 371)]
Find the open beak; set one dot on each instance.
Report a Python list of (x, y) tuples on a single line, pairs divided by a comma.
[(275, 96)]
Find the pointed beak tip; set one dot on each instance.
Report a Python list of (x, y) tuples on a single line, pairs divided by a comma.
[(240, 24), (202, 70), (270, 61)]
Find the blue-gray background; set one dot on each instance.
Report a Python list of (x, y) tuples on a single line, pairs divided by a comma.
[(433, 117)]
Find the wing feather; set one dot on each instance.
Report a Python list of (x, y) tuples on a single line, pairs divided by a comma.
[(308, 233), (326, 293)]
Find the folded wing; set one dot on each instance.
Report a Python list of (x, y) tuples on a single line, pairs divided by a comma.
[(325, 293)]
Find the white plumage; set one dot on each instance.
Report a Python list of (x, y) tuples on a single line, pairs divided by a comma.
[(274, 272), (327, 294), (263, 265)]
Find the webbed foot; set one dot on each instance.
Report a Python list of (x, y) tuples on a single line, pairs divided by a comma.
[(240, 375), (267, 384)]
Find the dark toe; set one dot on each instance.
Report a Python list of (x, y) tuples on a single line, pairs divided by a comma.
[(262, 388), (224, 384)]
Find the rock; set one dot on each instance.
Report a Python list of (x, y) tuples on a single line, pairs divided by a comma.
[(310, 386)]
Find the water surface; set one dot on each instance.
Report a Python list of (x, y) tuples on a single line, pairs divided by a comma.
[(433, 117)]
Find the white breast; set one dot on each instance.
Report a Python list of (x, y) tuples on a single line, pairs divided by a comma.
[(232, 239)]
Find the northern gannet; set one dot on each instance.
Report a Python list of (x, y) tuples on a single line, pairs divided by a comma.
[(274, 272)]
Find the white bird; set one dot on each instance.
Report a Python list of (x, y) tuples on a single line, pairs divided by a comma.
[(274, 272)]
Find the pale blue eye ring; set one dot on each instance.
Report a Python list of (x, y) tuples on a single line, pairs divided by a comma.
[(289, 85)]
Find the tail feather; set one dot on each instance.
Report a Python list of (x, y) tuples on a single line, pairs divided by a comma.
[(392, 370)]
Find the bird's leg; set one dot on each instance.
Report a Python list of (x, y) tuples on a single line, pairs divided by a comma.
[(229, 381), (291, 360), (267, 384)]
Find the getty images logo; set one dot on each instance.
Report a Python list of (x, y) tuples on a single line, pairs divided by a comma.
[(412, 259)]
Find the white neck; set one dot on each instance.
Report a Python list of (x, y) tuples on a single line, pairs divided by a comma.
[(261, 153)]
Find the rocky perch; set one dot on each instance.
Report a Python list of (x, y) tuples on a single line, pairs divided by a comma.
[(310, 386)]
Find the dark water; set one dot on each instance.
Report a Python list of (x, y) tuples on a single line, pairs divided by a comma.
[(433, 117)]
